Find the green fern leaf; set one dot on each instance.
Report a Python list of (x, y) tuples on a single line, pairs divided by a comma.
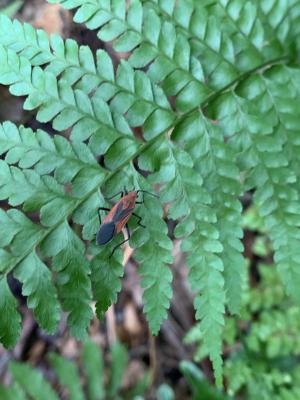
[(280, 19), (269, 172), (119, 359), (14, 392), (153, 254), (20, 233), (32, 382), (93, 366), (140, 29), (36, 149), (68, 375), (44, 193), (191, 201), (106, 275), (40, 292), (74, 286), (10, 319), (129, 91), (218, 56), (58, 101), (282, 91), (222, 180), (175, 37), (206, 41), (156, 282)]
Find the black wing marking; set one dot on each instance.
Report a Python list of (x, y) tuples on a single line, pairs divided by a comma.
[(121, 213), (106, 233)]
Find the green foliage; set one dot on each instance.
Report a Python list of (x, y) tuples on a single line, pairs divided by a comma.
[(200, 388), (29, 383), (10, 319), (41, 296), (263, 345), (93, 365), (165, 392), (119, 360), (68, 375), (206, 106), (265, 365)]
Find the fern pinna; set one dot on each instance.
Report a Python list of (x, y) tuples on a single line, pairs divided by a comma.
[(213, 88)]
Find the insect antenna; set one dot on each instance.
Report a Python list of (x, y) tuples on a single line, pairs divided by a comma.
[(145, 191)]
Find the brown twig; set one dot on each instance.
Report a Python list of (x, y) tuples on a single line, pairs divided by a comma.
[(152, 359), (110, 314)]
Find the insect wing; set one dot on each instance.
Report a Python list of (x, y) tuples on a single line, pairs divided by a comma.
[(106, 233), (121, 213)]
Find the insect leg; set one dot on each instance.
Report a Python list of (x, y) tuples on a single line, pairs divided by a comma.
[(124, 241), (101, 209), (115, 195), (146, 191), (139, 220)]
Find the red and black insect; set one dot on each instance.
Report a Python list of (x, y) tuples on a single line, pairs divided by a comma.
[(118, 217)]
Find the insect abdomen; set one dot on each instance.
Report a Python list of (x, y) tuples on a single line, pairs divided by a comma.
[(105, 233)]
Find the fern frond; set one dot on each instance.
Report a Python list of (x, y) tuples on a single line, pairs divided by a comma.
[(243, 22), (119, 360), (32, 382), (233, 36), (22, 238), (57, 101), (186, 40), (282, 89), (190, 200), (37, 149), (10, 319), (68, 375), (264, 156), (153, 248), (208, 43), (72, 267), (44, 193), (129, 91), (282, 21), (73, 282), (13, 392), (106, 280), (28, 382), (215, 161), (213, 241), (92, 360), (248, 32), (276, 333), (20, 234), (152, 40), (218, 56), (41, 295)]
